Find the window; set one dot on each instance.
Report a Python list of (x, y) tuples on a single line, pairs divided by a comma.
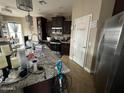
[(15, 32)]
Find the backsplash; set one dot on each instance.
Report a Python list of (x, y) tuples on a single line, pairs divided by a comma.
[(65, 37)]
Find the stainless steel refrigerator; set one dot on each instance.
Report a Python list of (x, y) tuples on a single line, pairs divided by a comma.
[(110, 57)]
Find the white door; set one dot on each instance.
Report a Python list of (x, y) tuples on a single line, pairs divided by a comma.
[(79, 48), (80, 38)]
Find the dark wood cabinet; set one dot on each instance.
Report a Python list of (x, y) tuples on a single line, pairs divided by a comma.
[(49, 28), (41, 87), (0, 33), (65, 48), (58, 21), (41, 26), (119, 6), (67, 27)]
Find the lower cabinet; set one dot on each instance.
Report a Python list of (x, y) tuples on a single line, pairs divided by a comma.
[(65, 48), (41, 87)]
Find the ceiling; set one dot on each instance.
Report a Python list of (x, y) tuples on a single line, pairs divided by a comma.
[(52, 8)]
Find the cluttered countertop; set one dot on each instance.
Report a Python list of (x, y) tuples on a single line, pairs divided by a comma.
[(48, 61), (65, 38), (67, 42)]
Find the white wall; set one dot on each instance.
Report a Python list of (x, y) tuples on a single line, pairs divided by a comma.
[(101, 10)]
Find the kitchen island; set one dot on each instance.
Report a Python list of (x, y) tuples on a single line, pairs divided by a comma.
[(64, 47), (32, 80)]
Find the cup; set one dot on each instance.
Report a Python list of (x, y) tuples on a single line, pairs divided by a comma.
[(35, 65)]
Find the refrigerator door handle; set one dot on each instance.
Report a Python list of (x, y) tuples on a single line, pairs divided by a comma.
[(97, 53)]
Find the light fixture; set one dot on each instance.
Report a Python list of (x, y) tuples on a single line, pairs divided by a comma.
[(29, 19), (25, 5)]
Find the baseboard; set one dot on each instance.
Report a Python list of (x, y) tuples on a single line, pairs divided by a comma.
[(88, 70), (85, 68), (70, 57)]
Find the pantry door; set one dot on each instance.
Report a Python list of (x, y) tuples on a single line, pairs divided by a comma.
[(81, 36)]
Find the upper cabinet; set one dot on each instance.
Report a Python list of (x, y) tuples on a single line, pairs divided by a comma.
[(58, 26), (49, 28), (67, 27), (41, 26), (57, 21)]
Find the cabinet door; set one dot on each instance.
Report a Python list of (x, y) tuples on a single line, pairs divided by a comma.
[(49, 28), (65, 48), (57, 21), (41, 25), (67, 27)]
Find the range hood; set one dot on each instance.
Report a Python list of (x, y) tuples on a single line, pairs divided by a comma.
[(57, 22)]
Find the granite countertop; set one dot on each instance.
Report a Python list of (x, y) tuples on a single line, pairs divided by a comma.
[(4, 42), (49, 60), (67, 42)]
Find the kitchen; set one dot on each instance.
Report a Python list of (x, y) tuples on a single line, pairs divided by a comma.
[(17, 60), (56, 33), (29, 52), (53, 46)]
